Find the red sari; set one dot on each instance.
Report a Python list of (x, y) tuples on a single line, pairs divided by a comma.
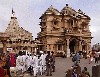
[(1, 72), (12, 60)]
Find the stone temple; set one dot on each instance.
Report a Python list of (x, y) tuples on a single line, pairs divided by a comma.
[(64, 30), (17, 38)]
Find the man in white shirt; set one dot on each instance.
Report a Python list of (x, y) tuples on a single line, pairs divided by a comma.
[(20, 64), (34, 63)]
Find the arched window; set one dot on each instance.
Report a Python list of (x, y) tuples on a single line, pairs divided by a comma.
[(59, 47), (84, 25), (43, 23), (72, 22), (55, 22)]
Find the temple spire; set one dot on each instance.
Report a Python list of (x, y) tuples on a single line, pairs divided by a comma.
[(13, 14)]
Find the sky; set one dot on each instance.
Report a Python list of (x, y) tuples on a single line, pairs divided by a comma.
[(29, 11)]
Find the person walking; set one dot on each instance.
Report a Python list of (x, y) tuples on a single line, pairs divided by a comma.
[(45, 54), (20, 64), (35, 64), (8, 63), (85, 72), (90, 57), (49, 61), (53, 63), (74, 59), (78, 57), (42, 60), (29, 64), (96, 57)]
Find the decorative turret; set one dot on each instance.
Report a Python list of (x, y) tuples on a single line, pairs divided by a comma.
[(68, 10)]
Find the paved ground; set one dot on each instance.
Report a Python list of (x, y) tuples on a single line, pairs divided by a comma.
[(62, 64)]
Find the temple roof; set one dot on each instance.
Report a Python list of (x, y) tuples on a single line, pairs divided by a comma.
[(52, 10), (82, 15), (68, 10)]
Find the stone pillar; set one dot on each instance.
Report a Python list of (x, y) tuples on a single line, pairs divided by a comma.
[(35, 50), (31, 49), (89, 47), (68, 50), (80, 44), (67, 43)]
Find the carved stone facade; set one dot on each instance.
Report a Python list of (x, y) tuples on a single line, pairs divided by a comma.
[(64, 30), (3, 39), (20, 39)]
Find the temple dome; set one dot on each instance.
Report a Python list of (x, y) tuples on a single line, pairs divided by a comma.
[(52, 10), (68, 10)]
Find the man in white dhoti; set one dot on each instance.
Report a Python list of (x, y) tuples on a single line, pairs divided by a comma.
[(29, 64), (39, 65), (34, 63), (24, 56), (20, 65), (43, 56), (28, 60), (42, 64)]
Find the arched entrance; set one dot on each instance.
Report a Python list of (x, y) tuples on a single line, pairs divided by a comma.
[(72, 45)]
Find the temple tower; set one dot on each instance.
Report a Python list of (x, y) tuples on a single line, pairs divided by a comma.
[(20, 39)]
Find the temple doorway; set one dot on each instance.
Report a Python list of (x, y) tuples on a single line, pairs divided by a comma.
[(72, 46)]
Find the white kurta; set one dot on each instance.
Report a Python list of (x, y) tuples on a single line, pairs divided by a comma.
[(40, 66), (43, 62), (34, 63), (28, 61), (20, 65)]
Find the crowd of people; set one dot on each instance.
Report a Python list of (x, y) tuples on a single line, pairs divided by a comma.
[(32, 63), (76, 71), (91, 56), (94, 56), (36, 63), (41, 63)]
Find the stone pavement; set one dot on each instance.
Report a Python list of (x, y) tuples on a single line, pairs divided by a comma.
[(63, 64)]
